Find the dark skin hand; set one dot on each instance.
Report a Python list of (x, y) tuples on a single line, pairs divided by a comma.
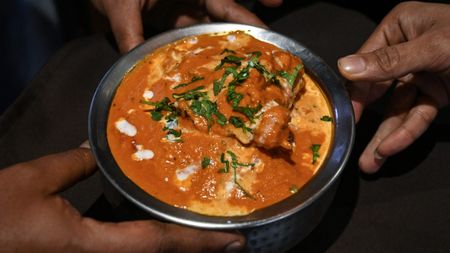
[(34, 218), (126, 17), (411, 46)]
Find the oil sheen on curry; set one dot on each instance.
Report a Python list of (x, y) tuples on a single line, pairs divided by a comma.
[(219, 124)]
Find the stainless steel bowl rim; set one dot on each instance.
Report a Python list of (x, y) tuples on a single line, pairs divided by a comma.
[(339, 153)]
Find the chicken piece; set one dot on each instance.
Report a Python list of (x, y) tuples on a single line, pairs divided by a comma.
[(272, 130), (292, 82)]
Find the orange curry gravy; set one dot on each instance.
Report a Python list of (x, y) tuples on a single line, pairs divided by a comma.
[(199, 125)]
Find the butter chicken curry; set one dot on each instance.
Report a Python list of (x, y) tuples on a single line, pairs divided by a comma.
[(219, 124)]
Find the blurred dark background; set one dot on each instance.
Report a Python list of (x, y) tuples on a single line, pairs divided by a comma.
[(32, 30)]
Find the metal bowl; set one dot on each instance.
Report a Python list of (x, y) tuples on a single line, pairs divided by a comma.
[(272, 229)]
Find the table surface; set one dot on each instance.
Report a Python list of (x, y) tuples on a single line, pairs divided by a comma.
[(403, 208)]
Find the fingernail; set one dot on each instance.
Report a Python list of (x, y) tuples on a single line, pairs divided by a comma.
[(234, 247), (85, 145), (352, 64), (378, 156)]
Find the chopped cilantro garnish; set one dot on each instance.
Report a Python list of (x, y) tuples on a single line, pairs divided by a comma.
[(235, 164), (174, 132), (231, 59), (254, 62), (233, 96), (171, 117), (291, 77), (256, 54), (161, 106), (191, 94), (326, 118), (315, 150), (206, 161), (221, 119), (246, 193), (293, 189), (226, 163), (206, 109), (194, 79), (226, 50), (239, 123), (218, 84), (156, 115), (248, 111)]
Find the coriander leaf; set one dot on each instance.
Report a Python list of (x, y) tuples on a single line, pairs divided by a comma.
[(235, 163), (161, 106), (239, 123), (218, 84), (206, 161), (206, 109), (221, 119), (315, 150), (217, 87), (326, 118), (231, 70), (156, 115), (249, 112), (194, 79), (174, 132), (293, 189), (233, 96), (291, 77), (256, 54), (231, 59), (145, 102), (191, 94), (226, 163), (246, 193), (226, 50)]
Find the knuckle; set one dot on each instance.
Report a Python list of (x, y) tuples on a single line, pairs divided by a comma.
[(387, 59), (424, 116), (406, 6), (407, 134), (81, 158)]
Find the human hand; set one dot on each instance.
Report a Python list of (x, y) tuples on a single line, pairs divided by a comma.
[(411, 47), (34, 218), (126, 16)]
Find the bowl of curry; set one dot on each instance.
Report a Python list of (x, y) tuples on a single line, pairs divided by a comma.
[(224, 126)]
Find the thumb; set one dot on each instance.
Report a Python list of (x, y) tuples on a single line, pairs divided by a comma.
[(126, 24), (153, 236), (390, 62)]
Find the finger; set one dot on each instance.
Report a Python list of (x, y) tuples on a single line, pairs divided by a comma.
[(186, 16), (230, 11), (401, 101), (417, 121), (54, 173), (152, 236), (126, 24), (392, 62), (363, 93), (271, 3), (186, 20)]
